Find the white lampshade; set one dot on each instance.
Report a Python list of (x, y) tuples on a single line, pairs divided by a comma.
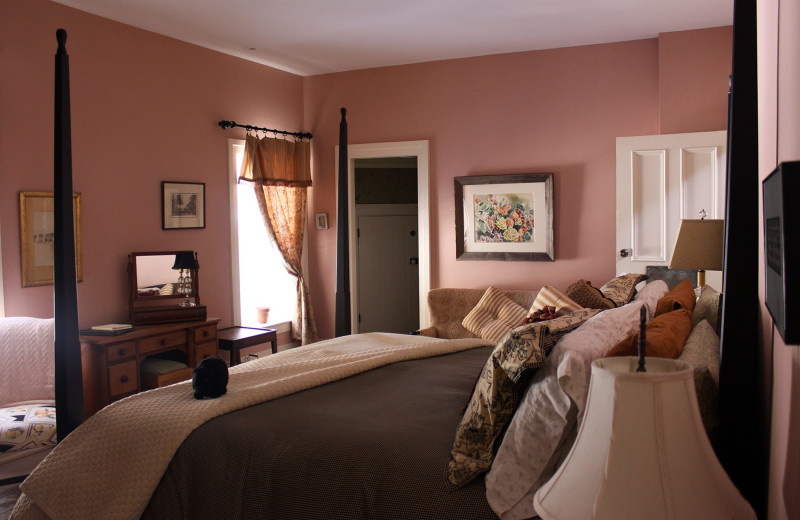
[(641, 452)]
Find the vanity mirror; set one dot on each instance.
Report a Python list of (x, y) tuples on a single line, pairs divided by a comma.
[(164, 287)]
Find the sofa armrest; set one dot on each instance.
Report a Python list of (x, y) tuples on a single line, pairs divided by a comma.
[(428, 331)]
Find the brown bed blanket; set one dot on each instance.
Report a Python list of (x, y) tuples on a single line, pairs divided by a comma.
[(109, 467), (372, 446)]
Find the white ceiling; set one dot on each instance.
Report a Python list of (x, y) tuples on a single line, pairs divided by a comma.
[(310, 37)]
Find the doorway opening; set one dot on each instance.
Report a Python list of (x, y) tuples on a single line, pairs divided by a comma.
[(379, 164)]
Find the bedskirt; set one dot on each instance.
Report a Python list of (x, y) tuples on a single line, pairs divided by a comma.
[(374, 446)]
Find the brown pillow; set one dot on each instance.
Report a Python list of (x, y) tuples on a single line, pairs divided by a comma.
[(666, 335), (587, 296), (621, 289), (680, 297)]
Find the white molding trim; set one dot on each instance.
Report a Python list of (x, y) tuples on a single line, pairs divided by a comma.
[(2, 295), (420, 150), (233, 144)]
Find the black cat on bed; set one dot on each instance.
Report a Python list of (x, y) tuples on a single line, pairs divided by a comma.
[(210, 378)]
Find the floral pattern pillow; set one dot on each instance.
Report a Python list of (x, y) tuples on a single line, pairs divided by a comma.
[(497, 393), (622, 289), (585, 295)]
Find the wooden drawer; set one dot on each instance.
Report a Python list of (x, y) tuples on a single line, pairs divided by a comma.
[(122, 378), (150, 381), (121, 351), (164, 341), (205, 333), (204, 350)]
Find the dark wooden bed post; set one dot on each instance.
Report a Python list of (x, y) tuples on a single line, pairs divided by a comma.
[(742, 446), (342, 242), (68, 377)]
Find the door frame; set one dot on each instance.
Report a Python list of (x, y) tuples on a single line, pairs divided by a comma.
[(420, 150)]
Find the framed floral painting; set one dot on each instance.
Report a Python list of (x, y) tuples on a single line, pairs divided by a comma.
[(505, 217)]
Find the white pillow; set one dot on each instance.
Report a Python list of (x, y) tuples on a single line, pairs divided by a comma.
[(532, 448)]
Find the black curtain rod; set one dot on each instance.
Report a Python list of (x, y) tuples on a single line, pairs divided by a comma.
[(232, 124)]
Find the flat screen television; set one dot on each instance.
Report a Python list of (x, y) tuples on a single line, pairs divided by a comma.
[(781, 197)]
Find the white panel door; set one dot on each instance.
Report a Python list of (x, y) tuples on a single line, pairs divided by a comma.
[(662, 179), (388, 274)]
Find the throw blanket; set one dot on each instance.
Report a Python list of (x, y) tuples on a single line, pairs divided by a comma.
[(109, 467)]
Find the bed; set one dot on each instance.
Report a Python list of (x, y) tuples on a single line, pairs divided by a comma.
[(371, 443)]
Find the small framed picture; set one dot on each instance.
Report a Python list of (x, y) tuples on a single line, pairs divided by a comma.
[(183, 205), (37, 230), (322, 220)]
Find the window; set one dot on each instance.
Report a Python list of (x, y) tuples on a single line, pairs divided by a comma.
[(259, 276)]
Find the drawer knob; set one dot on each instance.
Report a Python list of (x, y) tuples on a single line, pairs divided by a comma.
[(124, 379), (205, 333), (163, 341), (122, 352)]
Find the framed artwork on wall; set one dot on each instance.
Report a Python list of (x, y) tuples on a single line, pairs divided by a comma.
[(505, 217), (36, 232), (782, 249), (183, 205)]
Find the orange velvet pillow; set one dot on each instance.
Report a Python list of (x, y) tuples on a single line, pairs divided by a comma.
[(680, 297), (666, 335)]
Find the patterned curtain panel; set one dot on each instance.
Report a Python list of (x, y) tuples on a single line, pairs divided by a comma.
[(281, 172)]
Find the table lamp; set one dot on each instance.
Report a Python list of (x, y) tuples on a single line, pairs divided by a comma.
[(641, 452), (185, 260), (699, 246)]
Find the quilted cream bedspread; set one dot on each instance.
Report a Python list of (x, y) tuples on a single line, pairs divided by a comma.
[(110, 466)]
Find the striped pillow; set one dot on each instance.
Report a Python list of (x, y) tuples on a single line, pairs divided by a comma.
[(549, 295), (494, 316)]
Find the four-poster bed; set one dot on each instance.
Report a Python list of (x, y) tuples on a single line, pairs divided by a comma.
[(196, 456)]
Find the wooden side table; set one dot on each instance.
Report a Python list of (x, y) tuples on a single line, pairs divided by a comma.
[(237, 338)]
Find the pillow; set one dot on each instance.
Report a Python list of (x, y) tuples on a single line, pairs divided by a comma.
[(621, 289), (680, 297), (497, 392), (549, 295), (494, 316), (26, 427), (702, 352), (587, 296), (666, 335), (707, 308), (538, 436)]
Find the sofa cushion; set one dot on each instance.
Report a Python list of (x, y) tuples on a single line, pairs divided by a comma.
[(707, 308), (589, 297), (494, 316), (702, 352)]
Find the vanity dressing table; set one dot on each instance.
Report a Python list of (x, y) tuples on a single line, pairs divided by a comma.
[(171, 333)]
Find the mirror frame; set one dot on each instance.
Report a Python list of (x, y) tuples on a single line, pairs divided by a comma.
[(151, 309)]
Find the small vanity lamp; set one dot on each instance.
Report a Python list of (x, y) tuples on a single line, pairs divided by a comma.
[(185, 260), (699, 246), (641, 452)]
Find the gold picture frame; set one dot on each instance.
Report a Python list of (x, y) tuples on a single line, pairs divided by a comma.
[(36, 228)]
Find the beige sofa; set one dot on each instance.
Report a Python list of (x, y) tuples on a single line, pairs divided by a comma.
[(448, 307)]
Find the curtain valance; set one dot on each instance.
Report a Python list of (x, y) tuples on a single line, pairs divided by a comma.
[(276, 162)]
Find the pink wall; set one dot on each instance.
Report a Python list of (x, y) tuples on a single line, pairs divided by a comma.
[(144, 110), (779, 140), (546, 111), (693, 79)]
